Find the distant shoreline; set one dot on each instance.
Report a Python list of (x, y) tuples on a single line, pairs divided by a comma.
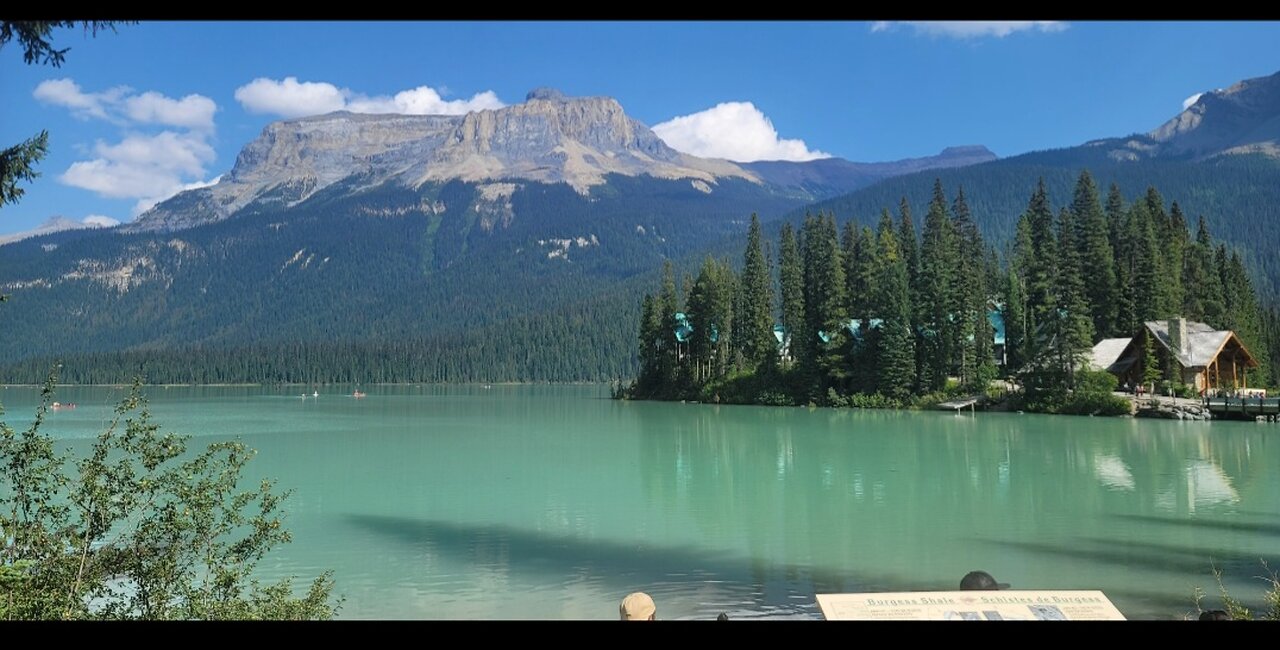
[(321, 384)]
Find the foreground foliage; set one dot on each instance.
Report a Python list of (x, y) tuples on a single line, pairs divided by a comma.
[(139, 527)]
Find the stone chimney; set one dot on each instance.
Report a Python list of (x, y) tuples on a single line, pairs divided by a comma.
[(1178, 335)]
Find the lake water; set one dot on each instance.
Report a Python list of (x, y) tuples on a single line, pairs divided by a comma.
[(550, 502)]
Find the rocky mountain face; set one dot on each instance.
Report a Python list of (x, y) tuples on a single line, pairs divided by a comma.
[(550, 138), (1242, 119)]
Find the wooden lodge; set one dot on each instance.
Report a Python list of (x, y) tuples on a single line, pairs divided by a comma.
[(1209, 360)]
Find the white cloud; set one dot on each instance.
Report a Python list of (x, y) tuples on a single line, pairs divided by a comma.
[(119, 106), (1186, 103), (735, 131), (292, 98), (147, 167), (289, 98), (971, 28), (150, 168), (67, 93), (100, 221), (424, 100), (192, 111)]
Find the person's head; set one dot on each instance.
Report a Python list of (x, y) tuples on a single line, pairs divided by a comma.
[(637, 606), (722, 617), (1215, 615), (980, 581)]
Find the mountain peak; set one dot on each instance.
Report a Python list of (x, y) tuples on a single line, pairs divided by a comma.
[(546, 93), (1244, 118), (968, 150), (551, 138)]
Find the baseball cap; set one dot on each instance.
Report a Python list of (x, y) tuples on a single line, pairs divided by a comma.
[(637, 606)]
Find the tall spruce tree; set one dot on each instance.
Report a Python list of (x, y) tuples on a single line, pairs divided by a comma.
[(667, 305), (1074, 338), (755, 321), (1095, 253), (791, 283), (894, 342), (937, 294), (1120, 230), (1144, 260), (973, 330)]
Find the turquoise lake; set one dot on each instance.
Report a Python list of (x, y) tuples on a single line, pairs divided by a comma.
[(552, 502)]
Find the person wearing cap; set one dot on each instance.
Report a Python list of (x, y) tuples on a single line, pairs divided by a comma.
[(980, 581), (637, 606)]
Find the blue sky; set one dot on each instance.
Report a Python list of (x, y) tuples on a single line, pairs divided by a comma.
[(137, 115)]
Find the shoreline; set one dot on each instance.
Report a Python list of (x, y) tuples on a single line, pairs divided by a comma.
[(347, 383)]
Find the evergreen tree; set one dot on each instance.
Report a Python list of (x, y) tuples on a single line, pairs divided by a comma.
[(1118, 220), (755, 333), (854, 292), (973, 335), (791, 283), (893, 342), (667, 306), (1144, 253), (823, 298), (1175, 241), (1207, 286), (1074, 338), (937, 294), (1150, 367), (711, 314), (650, 346), (1095, 254)]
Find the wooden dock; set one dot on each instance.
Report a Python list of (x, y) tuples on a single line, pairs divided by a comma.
[(1244, 407), (957, 405)]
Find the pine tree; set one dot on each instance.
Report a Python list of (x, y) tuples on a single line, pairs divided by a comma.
[(823, 297), (1095, 254), (1242, 314), (1151, 372), (1118, 221), (791, 284), (937, 294), (850, 244), (755, 331), (973, 335), (894, 342), (1075, 334), (1176, 240), (1145, 262), (711, 314), (666, 307), (649, 346), (1208, 287)]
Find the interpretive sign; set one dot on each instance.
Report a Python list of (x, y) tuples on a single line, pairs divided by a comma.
[(970, 606)]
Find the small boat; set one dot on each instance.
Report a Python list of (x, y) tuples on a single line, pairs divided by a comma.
[(357, 394), (58, 406)]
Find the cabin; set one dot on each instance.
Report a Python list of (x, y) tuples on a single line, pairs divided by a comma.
[(1197, 354)]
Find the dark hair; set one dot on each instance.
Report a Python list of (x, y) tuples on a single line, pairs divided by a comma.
[(1214, 615), (978, 581)]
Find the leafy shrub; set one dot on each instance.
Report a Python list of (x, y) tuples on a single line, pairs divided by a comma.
[(774, 398)]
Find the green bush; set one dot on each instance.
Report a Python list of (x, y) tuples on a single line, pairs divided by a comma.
[(1095, 381), (1081, 403), (774, 398), (875, 401)]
